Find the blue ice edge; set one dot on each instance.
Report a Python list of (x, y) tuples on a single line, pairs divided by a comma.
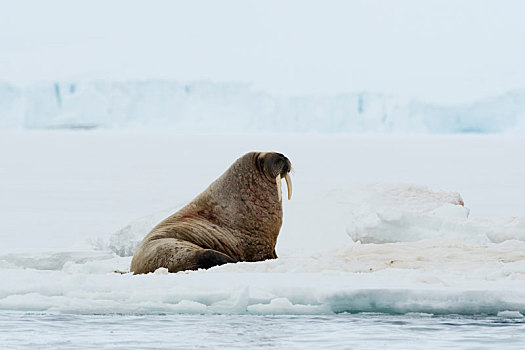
[(426, 301), (233, 108), (383, 301)]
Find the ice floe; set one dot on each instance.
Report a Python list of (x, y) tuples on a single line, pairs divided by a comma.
[(384, 248)]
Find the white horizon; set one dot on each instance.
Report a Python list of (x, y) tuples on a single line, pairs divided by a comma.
[(443, 52)]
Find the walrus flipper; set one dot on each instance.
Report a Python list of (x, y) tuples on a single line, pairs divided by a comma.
[(175, 255), (209, 258)]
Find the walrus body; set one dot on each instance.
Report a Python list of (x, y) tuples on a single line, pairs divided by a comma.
[(237, 218)]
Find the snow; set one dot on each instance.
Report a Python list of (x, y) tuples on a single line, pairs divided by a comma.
[(236, 108), (361, 233)]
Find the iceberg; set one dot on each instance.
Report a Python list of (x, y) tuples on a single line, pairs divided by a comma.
[(239, 108)]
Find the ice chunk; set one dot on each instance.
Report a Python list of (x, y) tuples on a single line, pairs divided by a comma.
[(510, 314), (404, 213)]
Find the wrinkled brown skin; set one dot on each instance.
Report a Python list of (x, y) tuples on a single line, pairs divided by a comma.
[(237, 218)]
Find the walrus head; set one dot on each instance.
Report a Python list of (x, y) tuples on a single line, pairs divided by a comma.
[(247, 197), (275, 166)]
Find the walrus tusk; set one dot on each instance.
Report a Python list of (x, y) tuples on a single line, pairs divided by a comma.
[(288, 180), (279, 190)]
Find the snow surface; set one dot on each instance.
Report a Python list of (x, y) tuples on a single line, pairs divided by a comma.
[(232, 108), (347, 245)]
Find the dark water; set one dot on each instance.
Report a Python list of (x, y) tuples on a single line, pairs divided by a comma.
[(357, 331)]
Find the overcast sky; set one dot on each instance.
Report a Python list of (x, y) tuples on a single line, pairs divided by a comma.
[(439, 51)]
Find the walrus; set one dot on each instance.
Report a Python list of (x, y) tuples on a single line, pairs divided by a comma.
[(237, 218)]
